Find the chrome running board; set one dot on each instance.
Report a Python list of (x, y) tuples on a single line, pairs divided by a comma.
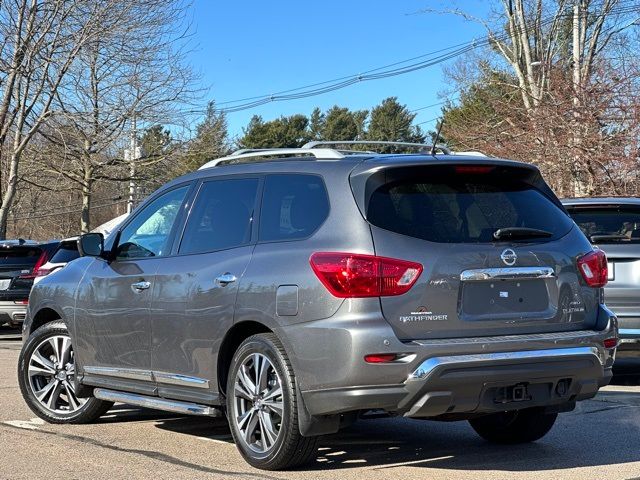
[(185, 408)]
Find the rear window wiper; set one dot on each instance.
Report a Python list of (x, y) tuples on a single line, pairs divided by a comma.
[(605, 237), (520, 232)]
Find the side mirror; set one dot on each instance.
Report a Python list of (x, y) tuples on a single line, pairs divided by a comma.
[(91, 245)]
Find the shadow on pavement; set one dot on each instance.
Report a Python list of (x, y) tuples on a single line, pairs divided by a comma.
[(396, 442), (10, 333), (388, 443)]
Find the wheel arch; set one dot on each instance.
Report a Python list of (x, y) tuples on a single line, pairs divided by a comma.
[(43, 316), (232, 340)]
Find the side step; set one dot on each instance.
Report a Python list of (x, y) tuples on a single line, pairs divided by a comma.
[(175, 406)]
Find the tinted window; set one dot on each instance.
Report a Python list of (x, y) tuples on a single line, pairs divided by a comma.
[(608, 224), (221, 216), (65, 253), (148, 233), (463, 208), (293, 207)]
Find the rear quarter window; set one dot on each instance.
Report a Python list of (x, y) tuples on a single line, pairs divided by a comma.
[(293, 207), (463, 208)]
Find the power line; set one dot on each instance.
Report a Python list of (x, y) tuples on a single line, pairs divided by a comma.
[(386, 71)]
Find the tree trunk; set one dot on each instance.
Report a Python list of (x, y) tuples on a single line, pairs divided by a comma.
[(9, 194), (87, 191)]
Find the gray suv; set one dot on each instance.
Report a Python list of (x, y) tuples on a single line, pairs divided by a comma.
[(297, 290)]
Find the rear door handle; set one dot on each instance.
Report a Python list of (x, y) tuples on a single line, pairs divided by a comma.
[(226, 279), (140, 286)]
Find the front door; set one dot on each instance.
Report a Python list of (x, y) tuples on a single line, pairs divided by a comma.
[(195, 291), (113, 334)]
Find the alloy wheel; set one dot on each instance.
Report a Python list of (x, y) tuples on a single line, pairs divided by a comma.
[(258, 403), (51, 375)]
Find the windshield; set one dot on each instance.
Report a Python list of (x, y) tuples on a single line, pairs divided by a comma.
[(608, 224)]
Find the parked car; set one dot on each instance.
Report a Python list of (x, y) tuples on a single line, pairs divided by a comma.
[(20, 262), (614, 225), (65, 251), (293, 290)]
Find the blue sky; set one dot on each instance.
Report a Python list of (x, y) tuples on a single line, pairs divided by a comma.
[(244, 49)]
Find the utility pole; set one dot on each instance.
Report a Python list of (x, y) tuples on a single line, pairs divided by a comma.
[(131, 156)]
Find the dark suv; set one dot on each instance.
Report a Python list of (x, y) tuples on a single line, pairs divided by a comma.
[(20, 262), (294, 290)]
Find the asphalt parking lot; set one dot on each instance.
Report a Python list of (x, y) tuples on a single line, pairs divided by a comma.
[(600, 439)]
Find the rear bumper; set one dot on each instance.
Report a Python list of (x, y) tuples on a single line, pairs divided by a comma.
[(12, 313), (460, 376), (475, 384)]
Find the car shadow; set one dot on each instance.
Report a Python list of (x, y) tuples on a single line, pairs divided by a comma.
[(393, 442)]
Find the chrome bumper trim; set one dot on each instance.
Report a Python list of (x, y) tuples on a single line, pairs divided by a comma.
[(508, 273), (429, 365)]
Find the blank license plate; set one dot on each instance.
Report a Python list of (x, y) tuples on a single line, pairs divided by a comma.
[(4, 284)]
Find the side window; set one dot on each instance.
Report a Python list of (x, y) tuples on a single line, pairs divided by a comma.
[(293, 207), (148, 234), (221, 216)]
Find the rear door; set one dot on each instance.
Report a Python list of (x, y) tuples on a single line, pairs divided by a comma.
[(474, 284), (195, 290)]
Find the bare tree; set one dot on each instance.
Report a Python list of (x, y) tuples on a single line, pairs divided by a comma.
[(133, 74), (39, 42), (560, 92)]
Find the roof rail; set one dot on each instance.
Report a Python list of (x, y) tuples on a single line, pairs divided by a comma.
[(423, 146), (248, 155)]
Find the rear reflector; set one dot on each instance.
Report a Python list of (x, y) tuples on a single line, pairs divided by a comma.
[(350, 275), (610, 343), (21, 302), (380, 358), (593, 267)]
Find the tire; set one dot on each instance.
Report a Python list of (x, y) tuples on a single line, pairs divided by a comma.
[(46, 369), (519, 426), (264, 424)]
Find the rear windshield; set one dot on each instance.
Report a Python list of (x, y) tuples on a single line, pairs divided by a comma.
[(65, 253), (19, 255), (464, 208), (608, 224)]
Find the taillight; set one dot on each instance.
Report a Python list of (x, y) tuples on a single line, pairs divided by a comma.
[(610, 343), (593, 267), (349, 275), (42, 259), (42, 272), (21, 302)]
